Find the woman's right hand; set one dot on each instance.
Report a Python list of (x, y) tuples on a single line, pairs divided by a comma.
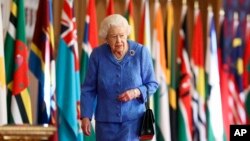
[(86, 127)]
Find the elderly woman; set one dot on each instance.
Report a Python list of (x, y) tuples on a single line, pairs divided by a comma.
[(120, 74)]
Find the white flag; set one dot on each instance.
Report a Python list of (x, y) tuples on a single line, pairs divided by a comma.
[(3, 107)]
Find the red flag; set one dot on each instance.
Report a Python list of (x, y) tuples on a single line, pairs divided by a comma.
[(224, 78), (246, 71), (246, 57), (184, 89), (92, 30), (110, 9), (144, 32), (197, 63)]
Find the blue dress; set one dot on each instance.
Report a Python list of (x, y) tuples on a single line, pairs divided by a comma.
[(106, 79)]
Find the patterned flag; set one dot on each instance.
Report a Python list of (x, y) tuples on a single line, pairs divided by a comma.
[(68, 78), (42, 63), (130, 17), (197, 66), (161, 106), (144, 32), (16, 67), (214, 113), (3, 94), (235, 78), (90, 41), (184, 90), (171, 65), (110, 9)]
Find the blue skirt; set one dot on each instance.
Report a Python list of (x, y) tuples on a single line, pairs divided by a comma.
[(124, 131)]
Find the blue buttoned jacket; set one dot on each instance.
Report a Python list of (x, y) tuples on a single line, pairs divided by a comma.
[(107, 78)]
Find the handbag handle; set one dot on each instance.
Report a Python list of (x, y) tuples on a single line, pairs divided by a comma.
[(147, 104)]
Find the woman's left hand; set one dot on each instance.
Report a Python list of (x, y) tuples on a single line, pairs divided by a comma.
[(129, 95)]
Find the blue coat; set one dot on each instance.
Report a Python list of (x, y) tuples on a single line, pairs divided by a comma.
[(107, 78)]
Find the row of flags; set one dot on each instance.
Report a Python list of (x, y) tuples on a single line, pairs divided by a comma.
[(201, 91), (198, 98)]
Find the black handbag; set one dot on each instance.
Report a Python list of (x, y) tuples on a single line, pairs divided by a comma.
[(147, 126)]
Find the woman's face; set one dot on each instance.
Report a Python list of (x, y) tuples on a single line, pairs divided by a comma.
[(117, 39)]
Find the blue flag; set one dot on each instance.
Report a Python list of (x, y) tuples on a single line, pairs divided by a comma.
[(42, 63), (68, 78)]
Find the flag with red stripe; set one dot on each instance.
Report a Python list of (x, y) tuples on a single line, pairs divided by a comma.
[(235, 82), (184, 111), (198, 66)]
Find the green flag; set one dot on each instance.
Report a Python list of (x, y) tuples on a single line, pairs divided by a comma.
[(16, 54)]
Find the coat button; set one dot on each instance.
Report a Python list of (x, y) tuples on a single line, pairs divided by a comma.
[(118, 114)]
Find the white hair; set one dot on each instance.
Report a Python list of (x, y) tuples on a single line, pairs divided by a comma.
[(113, 20)]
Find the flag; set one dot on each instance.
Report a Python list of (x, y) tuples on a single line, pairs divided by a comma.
[(110, 9), (3, 94), (246, 56), (16, 67), (90, 41), (6, 8), (236, 78), (42, 62), (53, 106), (161, 107), (215, 129), (184, 78), (145, 36), (246, 72), (90, 37), (130, 17), (197, 66), (144, 32), (223, 60), (171, 65), (68, 78)]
